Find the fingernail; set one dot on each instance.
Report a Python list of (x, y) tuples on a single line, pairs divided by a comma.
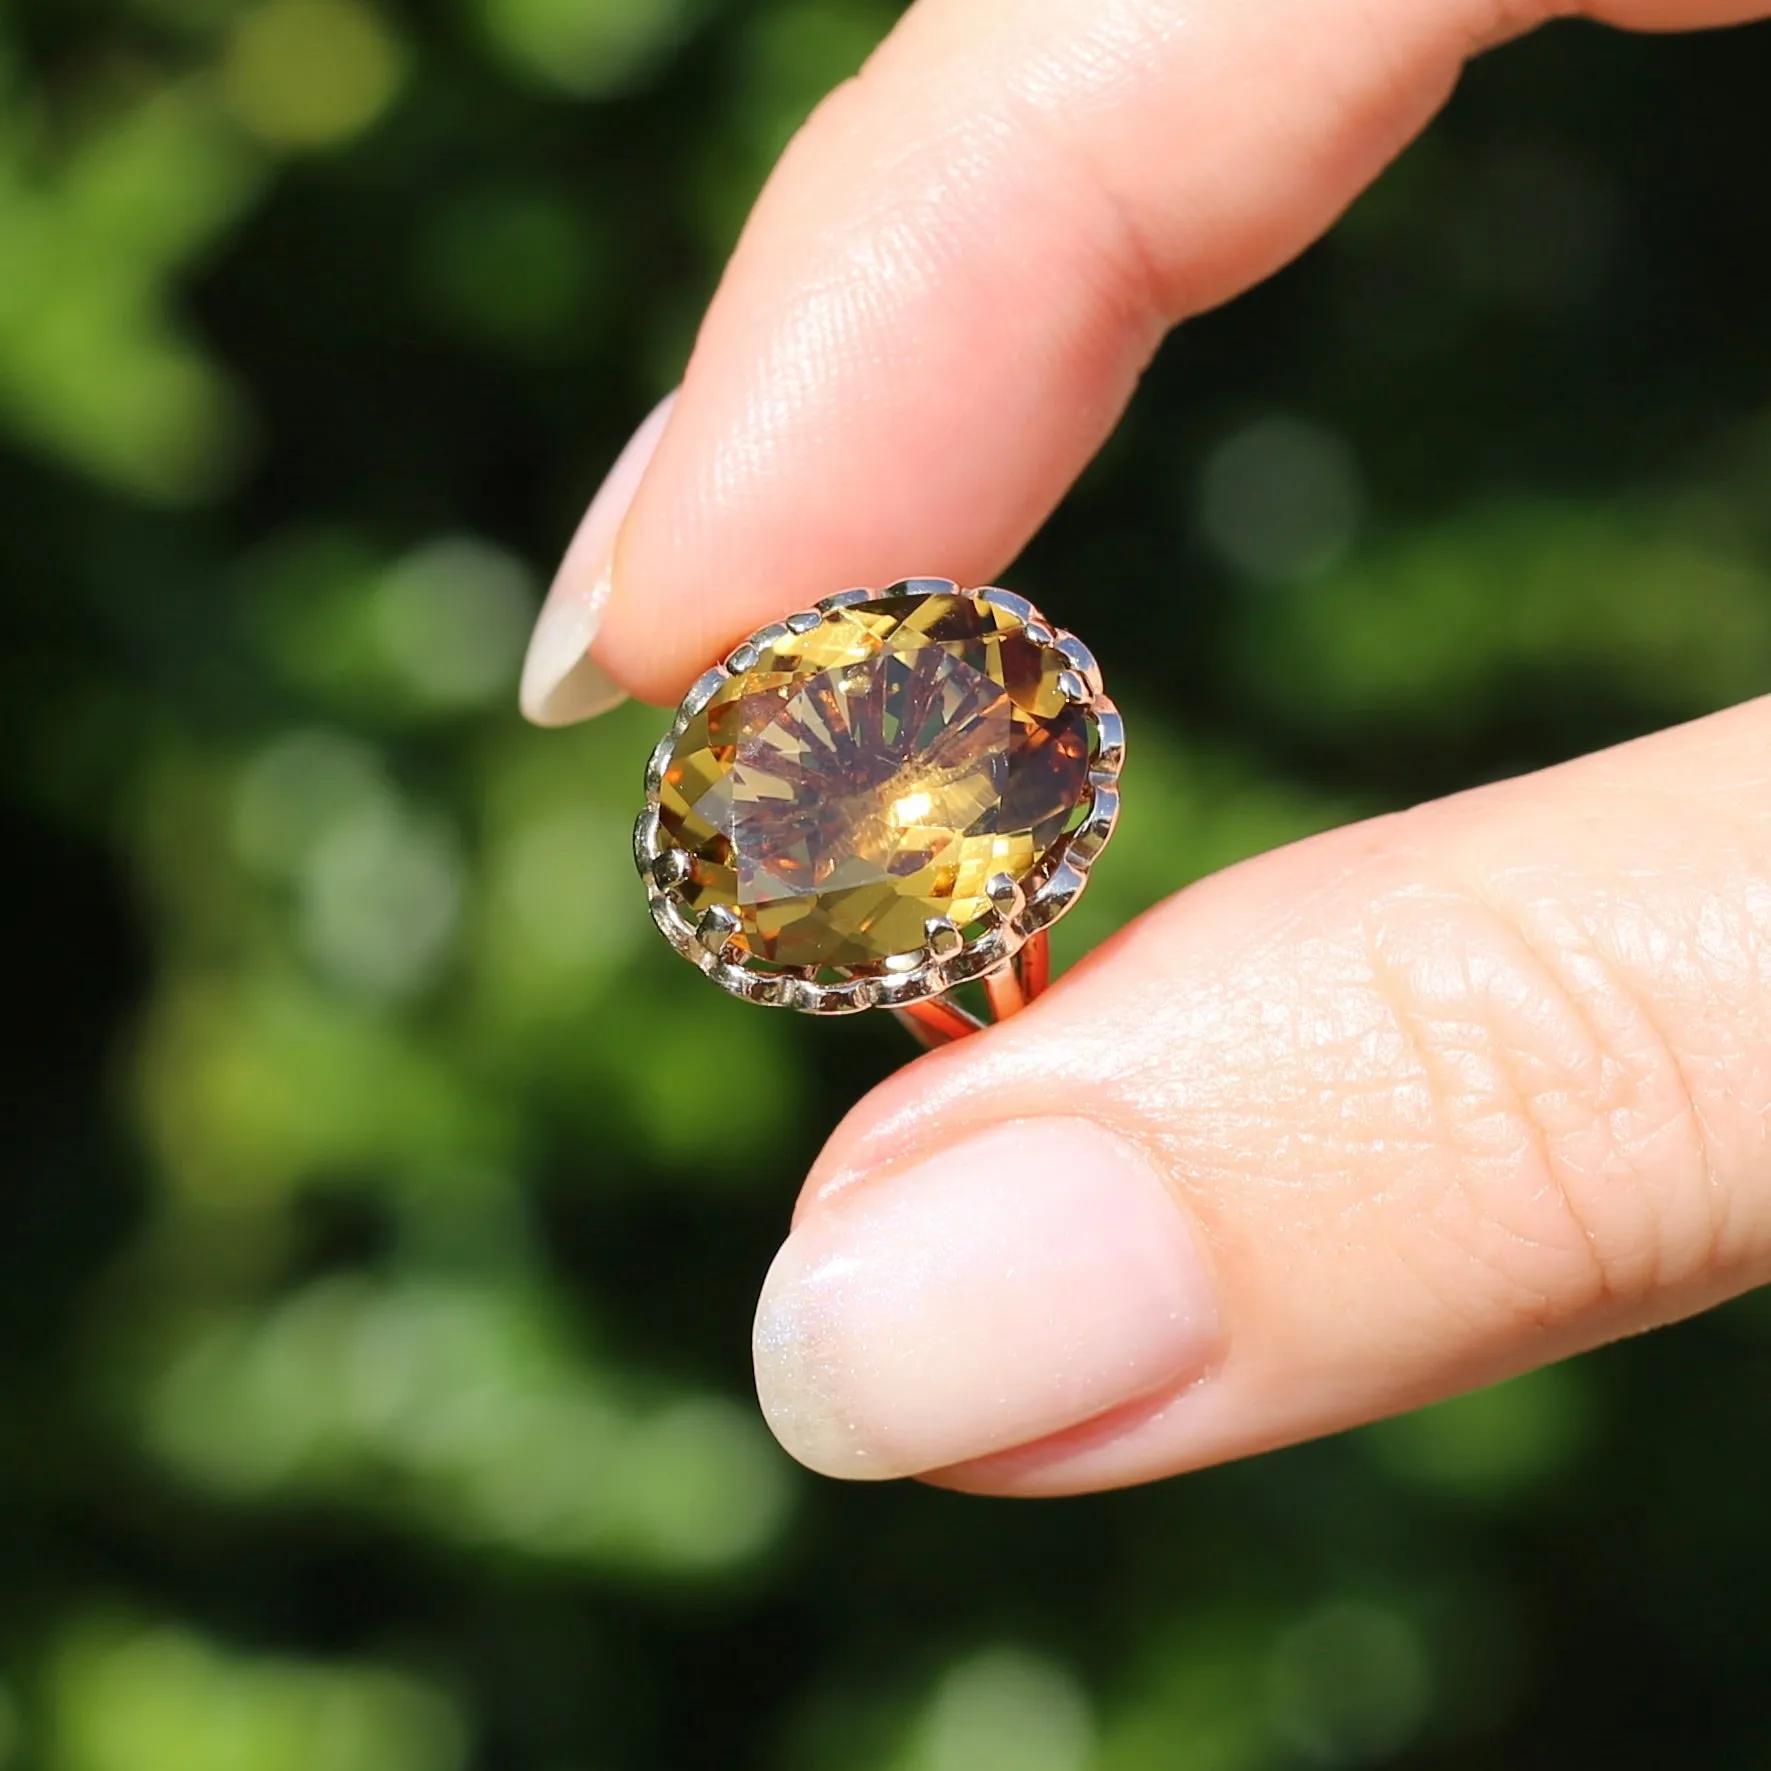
[(1024, 1281), (561, 681)]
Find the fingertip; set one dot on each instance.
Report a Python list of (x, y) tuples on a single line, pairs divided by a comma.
[(1032, 1277), (561, 681)]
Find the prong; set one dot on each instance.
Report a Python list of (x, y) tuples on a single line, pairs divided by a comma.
[(671, 868), (944, 940), (658, 762), (716, 928), (1006, 894), (1074, 687), (1056, 895), (846, 997), (804, 621), (673, 925), (898, 963), (740, 659), (844, 599), (907, 987), (1039, 633), (749, 986), (1110, 740), (1090, 837), (701, 691), (922, 587), (1006, 600), (863, 993), (1080, 659), (796, 993), (645, 838)]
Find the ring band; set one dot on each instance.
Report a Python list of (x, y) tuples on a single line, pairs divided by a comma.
[(880, 799)]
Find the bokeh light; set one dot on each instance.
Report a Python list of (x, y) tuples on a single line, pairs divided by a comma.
[(137, 1699), (589, 47), (1349, 1684), (310, 73), (461, 1410), (1280, 498), (1005, 1710)]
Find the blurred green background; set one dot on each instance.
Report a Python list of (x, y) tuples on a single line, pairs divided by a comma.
[(374, 1372)]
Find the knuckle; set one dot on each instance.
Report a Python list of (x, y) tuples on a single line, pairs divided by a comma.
[(1112, 242), (987, 173), (1500, 21), (1575, 1173)]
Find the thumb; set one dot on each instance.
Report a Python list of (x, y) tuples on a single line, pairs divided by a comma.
[(1383, 1116)]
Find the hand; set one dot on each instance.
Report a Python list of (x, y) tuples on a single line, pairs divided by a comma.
[(1394, 1112)]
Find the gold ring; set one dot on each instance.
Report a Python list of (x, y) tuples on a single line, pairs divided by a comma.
[(883, 798)]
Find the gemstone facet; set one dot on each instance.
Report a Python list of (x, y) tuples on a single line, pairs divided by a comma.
[(872, 775)]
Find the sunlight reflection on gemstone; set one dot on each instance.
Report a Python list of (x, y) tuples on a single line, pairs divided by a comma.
[(873, 774)]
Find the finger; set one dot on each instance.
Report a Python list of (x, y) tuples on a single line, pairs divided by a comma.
[(1374, 1119), (948, 290), (562, 682)]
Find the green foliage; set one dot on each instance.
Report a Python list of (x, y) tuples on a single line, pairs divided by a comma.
[(373, 1363)]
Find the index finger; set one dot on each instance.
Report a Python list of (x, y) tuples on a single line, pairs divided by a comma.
[(949, 288)]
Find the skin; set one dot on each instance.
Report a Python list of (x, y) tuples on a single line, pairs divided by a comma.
[(1431, 1099)]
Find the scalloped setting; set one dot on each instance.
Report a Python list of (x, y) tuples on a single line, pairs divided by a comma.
[(880, 797)]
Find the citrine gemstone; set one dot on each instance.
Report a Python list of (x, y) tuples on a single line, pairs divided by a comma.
[(874, 773)]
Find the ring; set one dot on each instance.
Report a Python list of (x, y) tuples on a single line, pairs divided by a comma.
[(880, 799)]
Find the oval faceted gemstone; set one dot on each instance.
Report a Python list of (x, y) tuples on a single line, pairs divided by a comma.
[(874, 773)]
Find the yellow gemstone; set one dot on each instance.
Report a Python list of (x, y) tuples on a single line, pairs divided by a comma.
[(874, 773)]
